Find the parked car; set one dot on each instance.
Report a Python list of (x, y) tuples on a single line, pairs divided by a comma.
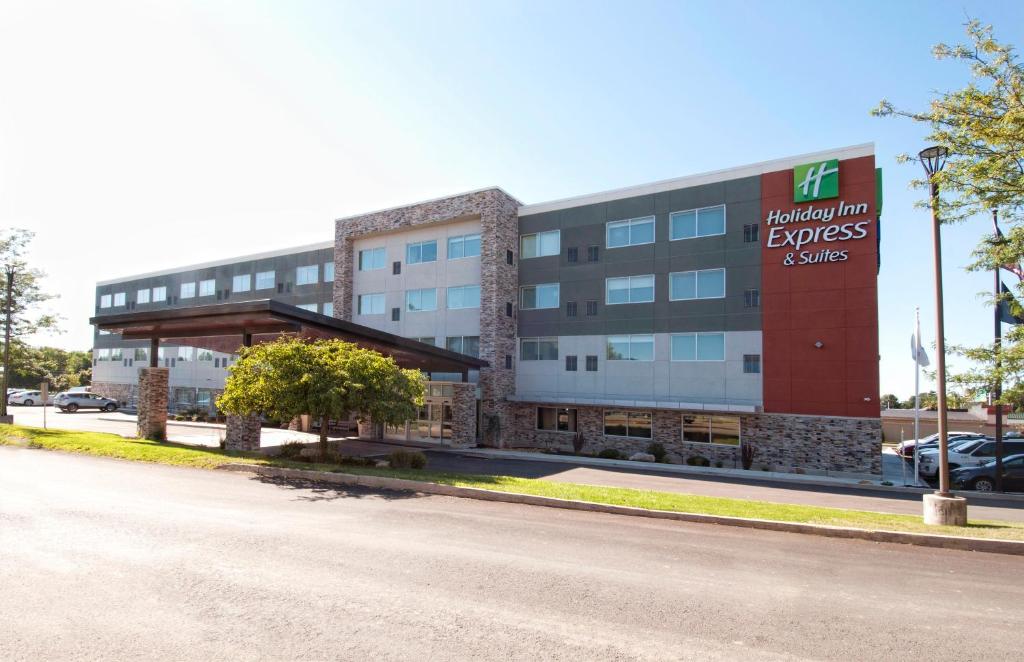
[(983, 478), (27, 398), (906, 448), (72, 402), (969, 454)]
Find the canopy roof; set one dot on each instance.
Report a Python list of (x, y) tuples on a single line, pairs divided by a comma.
[(225, 327)]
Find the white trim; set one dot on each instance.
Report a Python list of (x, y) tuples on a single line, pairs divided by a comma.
[(630, 221), (558, 293), (695, 334), (696, 220), (539, 254), (654, 289), (218, 263), (841, 153), (654, 347), (725, 289)]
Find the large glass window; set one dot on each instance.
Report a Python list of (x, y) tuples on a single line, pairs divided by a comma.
[(306, 275), (188, 290), (693, 223), (372, 258), (631, 232), (141, 354), (329, 309), (707, 429), (207, 288), (241, 283), (538, 349), (463, 296), (311, 307), (105, 300), (706, 284), (629, 289), (621, 423), (698, 347), (142, 296), (468, 345), (467, 245), (265, 280), (119, 298), (638, 347), (421, 300), (539, 296), (204, 355), (540, 244), (159, 294), (421, 251), (556, 419), (370, 304), (102, 354), (329, 272)]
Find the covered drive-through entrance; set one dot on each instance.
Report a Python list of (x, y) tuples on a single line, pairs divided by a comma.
[(229, 326)]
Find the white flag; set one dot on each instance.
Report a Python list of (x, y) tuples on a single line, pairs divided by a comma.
[(918, 353)]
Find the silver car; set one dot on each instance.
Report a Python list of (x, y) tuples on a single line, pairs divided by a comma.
[(27, 398), (72, 402)]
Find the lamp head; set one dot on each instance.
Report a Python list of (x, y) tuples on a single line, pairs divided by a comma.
[(933, 159)]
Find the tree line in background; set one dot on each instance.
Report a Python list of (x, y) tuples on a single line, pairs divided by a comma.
[(61, 369), (929, 400)]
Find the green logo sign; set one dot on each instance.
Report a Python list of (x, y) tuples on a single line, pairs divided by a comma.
[(816, 181)]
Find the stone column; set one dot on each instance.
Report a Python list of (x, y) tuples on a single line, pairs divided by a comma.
[(463, 415), (243, 433), (152, 410)]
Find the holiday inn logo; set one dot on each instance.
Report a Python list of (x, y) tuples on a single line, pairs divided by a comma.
[(816, 181)]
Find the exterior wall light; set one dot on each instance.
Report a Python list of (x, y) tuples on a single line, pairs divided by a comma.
[(819, 344)]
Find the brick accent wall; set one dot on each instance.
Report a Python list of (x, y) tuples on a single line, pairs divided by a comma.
[(152, 414), (242, 433), (786, 443), (463, 415), (499, 282)]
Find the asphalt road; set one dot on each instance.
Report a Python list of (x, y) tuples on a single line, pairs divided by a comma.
[(113, 560), (838, 496)]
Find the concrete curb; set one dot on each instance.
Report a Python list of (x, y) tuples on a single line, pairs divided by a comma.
[(399, 484)]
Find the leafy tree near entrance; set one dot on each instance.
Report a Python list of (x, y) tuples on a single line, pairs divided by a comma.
[(326, 379)]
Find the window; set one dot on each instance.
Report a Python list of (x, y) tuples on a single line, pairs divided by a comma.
[(306, 275), (468, 345), (591, 308), (592, 363), (372, 258), (631, 348), (700, 428), (751, 233), (396, 268), (570, 309), (142, 296), (467, 245), (570, 363), (370, 304), (705, 222), (421, 251), (706, 284), (508, 309), (509, 257), (396, 314), (539, 296), (105, 301), (159, 294), (420, 300), (556, 419), (118, 298), (241, 283), (141, 354), (508, 361), (329, 309), (538, 349), (204, 355), (311, 307), (751, 298), (621, 423), (752, 364), (102, 354), (207, 287), (540, 244), (463, 296), (265, 280), (698, 347), (329, 272), (428, 340), (629, 289), (572, 255), (104, 332), (188, 290), (184, 353), (632, 232), (116, 354), (592, 253)]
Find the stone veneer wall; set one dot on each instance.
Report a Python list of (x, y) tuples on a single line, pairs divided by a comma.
[(242, 433), (784, 442), (152, 413), (463, 415), (499, 282)]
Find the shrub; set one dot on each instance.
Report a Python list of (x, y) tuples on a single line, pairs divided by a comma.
[(718, 464), (577, 442), (291, 449), (698, 461), (403, 459), (747, 453), (657, 450), (609, 454)]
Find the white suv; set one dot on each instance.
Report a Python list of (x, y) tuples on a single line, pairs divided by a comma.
[(968, 454)]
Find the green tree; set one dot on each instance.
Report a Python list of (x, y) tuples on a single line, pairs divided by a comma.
[(890, 401), (326, 379)]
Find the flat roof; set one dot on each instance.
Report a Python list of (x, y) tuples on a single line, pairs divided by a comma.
[(221, 326)]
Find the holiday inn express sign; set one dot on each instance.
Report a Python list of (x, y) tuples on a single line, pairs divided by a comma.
[(835, 221)]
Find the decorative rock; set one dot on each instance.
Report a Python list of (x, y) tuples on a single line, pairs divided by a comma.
[(641, 457), (309, 452)]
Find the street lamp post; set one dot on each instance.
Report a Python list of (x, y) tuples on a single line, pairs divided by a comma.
[(9, 303), (941, 507)]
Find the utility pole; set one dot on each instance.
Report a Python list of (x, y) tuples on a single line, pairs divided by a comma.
[(997, 346), (7, 336)]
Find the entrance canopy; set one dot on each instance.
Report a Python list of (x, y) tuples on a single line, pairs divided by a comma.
[(225, 327)]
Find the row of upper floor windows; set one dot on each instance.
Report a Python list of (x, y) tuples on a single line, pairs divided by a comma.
[(418, 252), (421, 300), (683, 286), (261, 280), (684, 347)]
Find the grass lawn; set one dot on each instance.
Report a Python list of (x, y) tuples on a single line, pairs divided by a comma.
[(109, 445)]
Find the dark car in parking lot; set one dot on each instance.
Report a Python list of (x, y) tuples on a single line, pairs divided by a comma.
[(72, 402), (983, 478)]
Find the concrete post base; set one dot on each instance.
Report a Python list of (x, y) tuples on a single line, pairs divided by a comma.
[(152, 412), (9, 418), (945, 510)]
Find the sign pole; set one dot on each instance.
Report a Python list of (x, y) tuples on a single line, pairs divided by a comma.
[(44, 395), (917, 392)]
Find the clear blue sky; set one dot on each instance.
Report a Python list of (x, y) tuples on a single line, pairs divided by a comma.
[(144, 135)]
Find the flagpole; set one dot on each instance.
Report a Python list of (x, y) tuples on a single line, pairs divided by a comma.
[(917, 392)]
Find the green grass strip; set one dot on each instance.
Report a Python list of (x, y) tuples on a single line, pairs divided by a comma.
[(109, 445)]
